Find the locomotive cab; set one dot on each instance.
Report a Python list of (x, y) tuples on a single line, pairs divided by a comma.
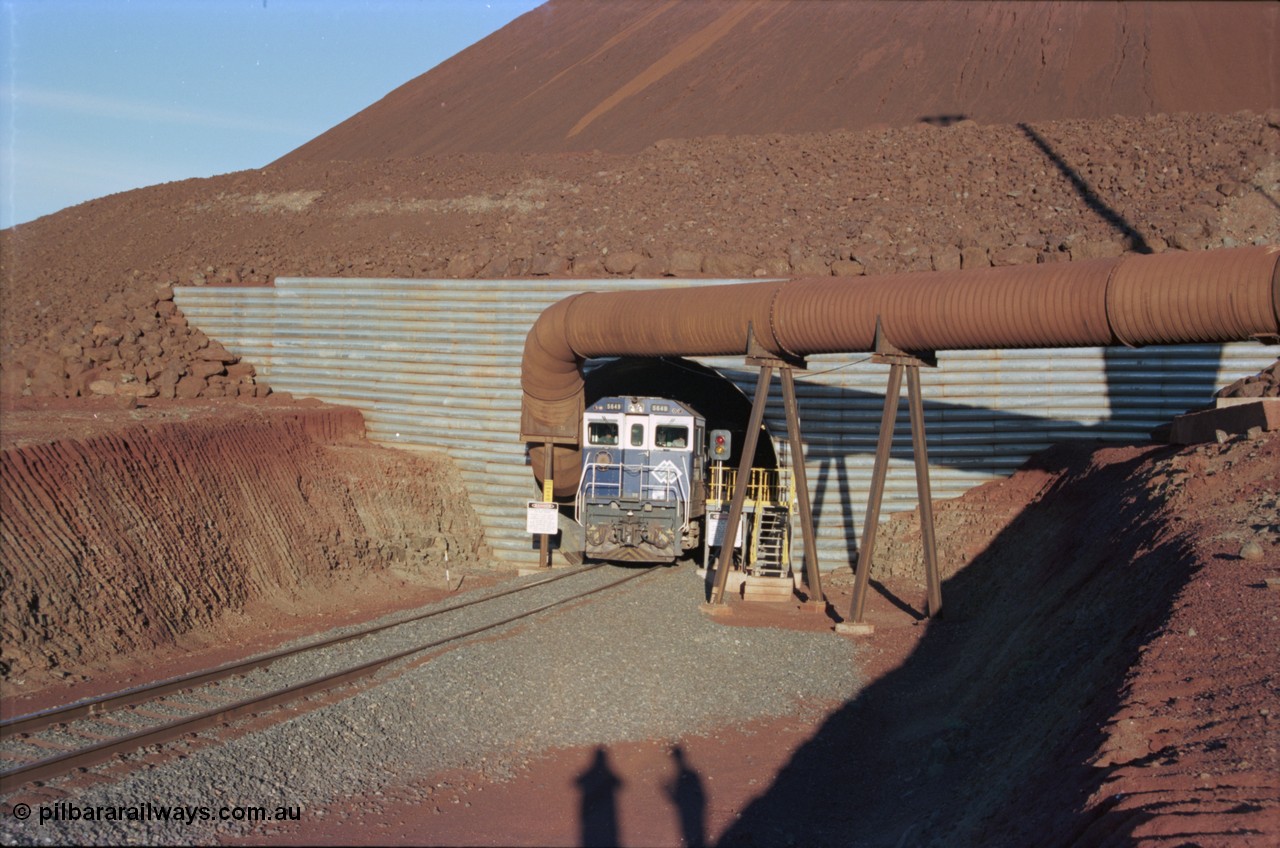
[(642, 494)]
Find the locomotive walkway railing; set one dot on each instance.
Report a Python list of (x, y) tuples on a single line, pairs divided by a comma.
[(648, 482)]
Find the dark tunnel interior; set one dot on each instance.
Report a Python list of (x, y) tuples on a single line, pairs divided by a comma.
[(712, 395)]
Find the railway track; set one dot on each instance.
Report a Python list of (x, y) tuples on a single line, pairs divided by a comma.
[(52, 742)]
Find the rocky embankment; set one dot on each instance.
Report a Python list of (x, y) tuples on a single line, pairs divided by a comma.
[(124, 530), (133, 346), (843, 203), (1264, 384)]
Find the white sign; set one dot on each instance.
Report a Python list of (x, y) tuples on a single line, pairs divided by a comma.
[(542, 518), (715, 529)]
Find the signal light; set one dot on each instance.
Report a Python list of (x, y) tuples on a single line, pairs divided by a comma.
[(721, 444)]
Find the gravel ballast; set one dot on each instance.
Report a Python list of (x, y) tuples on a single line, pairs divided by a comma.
[(638, 662)]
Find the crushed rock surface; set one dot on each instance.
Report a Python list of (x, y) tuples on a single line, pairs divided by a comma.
[(639, 662)]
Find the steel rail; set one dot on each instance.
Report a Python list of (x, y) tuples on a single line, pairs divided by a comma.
[(95, 754), (34, 722)]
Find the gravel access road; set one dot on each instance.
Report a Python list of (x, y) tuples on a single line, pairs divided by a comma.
[(639, 662)]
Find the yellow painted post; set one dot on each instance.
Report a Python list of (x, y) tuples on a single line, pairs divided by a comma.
[(548, 495)]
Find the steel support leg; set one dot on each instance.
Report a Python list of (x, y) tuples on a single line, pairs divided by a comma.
[(548, 468), (921, 452), (812, 575), (867, 544), (742, 482)]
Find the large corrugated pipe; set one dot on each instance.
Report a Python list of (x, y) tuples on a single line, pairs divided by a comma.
[(1170, 298)]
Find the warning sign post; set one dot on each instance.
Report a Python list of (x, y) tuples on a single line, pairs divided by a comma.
[(542, 518)]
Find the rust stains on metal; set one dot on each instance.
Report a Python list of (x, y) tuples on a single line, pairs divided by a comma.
[(1178, 298), (1171, 298)]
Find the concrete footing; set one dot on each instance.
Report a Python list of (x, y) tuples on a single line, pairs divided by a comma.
[(768, 589), (1238, 417)]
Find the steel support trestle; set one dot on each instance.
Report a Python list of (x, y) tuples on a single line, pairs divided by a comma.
[(812, 574), (866, 548), (924, 493), (813, 578), (741, 482)]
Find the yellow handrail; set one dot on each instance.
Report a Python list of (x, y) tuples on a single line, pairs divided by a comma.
[(767, 487)]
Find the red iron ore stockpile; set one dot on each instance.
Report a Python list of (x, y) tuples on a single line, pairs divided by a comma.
[(721, 139)]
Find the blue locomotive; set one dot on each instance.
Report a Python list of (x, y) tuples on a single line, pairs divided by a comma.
[(655, 487), (642, 497)]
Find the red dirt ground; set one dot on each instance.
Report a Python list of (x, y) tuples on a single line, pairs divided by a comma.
[(1105, 673), (1089, 683)]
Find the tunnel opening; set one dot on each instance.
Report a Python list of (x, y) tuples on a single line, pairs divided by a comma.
[(710, 393)]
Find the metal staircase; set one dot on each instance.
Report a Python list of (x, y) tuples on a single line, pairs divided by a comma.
[(770, 556)]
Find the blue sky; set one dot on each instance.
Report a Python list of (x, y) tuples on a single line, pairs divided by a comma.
[(101, 96)]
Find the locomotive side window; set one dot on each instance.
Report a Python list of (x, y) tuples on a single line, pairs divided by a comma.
[(637, 435), (671, 437), (602, 433)]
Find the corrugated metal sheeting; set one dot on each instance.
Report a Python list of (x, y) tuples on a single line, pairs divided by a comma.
[(436, 364)]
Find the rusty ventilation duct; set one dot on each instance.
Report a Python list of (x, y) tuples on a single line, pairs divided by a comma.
[(1170, 298)]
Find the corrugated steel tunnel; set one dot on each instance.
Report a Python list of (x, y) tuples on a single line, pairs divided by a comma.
[(1169, 299), (436, 365)]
